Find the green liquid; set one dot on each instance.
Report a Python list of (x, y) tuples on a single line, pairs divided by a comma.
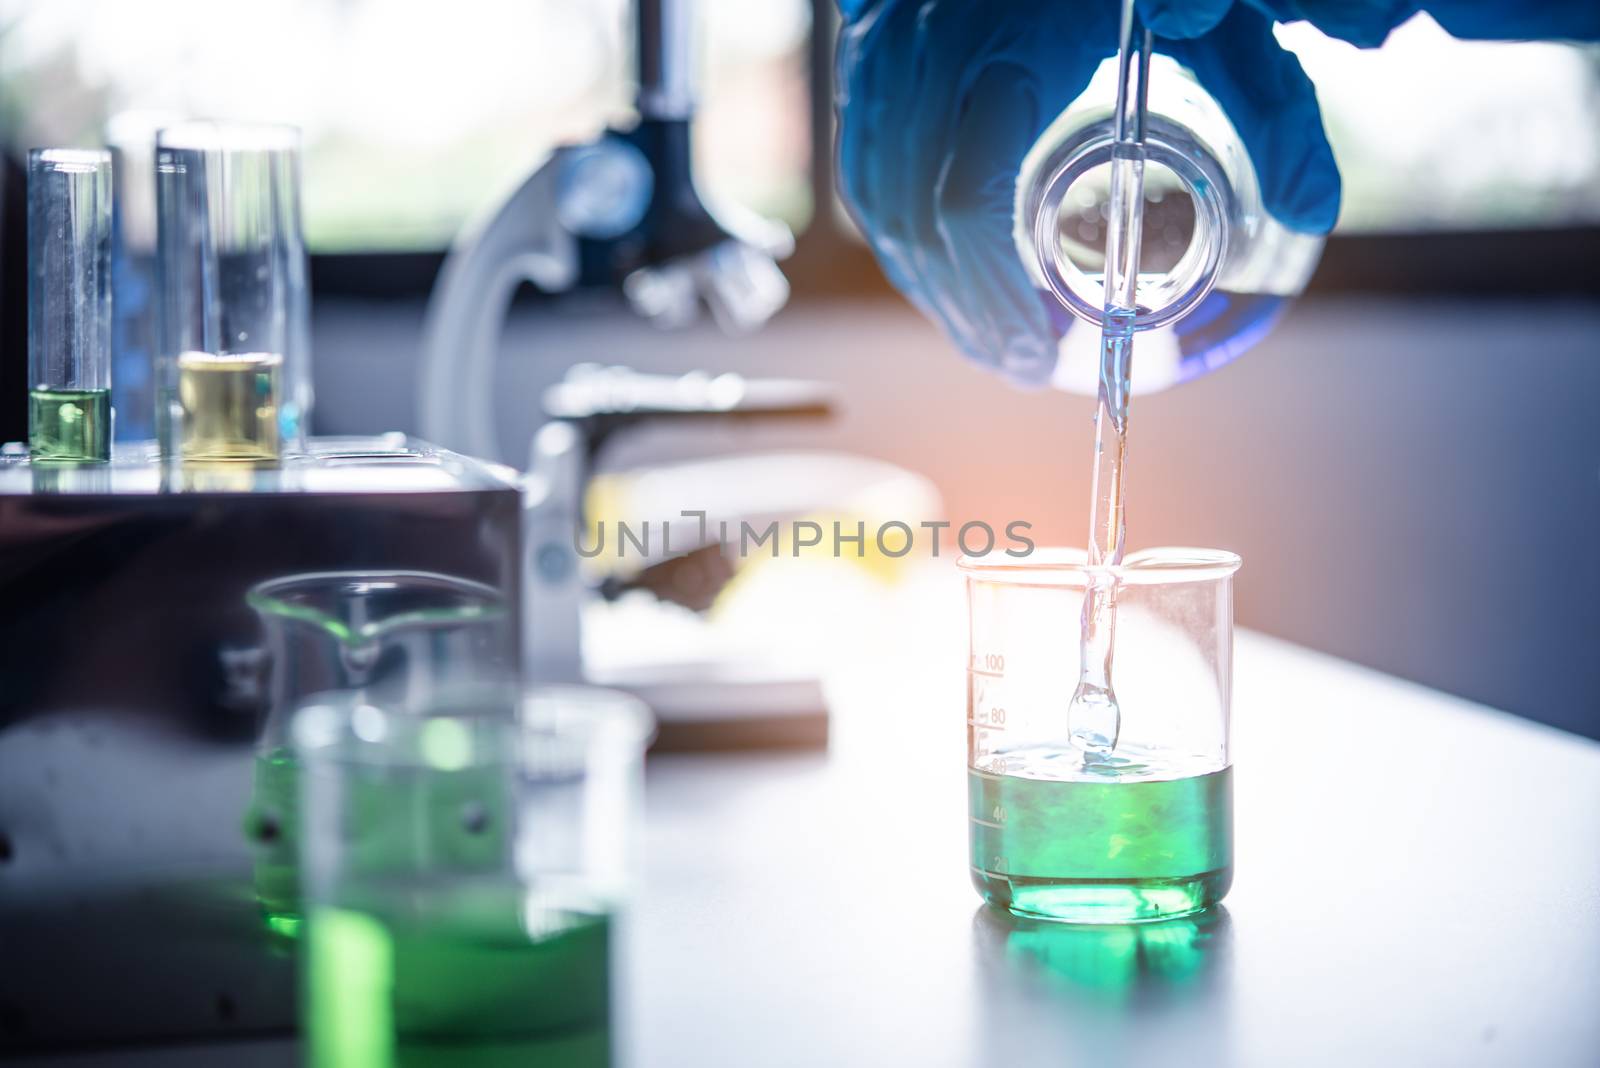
[(273, 826), (446, 822), (456, 984), (1101, 852), (69, 425)]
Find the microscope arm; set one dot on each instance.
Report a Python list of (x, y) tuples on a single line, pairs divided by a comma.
[(522, 242)]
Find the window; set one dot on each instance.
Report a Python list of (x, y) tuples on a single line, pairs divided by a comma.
[(419, 114), (416, 114), (1435, 133)]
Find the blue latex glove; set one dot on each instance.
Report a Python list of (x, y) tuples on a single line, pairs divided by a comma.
[(939, 100)]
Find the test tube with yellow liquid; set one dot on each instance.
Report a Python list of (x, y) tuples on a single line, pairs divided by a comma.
[(235, 374)]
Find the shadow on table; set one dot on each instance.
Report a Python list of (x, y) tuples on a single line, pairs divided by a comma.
[(180, 955), (1136, 991)]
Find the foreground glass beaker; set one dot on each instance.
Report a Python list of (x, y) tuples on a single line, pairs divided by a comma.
[(1147, 833), (397, 639), (462, 868)]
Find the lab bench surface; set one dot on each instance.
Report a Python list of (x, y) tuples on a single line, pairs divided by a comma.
[(1417, 882)]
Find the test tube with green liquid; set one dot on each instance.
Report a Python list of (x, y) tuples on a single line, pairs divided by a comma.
[(69, 305)]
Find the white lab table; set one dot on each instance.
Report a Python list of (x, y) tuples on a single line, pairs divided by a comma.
[(1417, 882)]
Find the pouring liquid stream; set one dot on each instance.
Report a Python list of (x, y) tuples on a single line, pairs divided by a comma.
[(1094, 717)]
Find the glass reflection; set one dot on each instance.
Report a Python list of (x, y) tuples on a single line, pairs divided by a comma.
[(1130, 993), (1114, 960)]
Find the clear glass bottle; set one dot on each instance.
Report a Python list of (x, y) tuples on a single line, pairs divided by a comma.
[(1216, 269), (69, 305)]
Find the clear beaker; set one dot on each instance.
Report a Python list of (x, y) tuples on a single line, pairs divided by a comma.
[(398, 636), (462, 870), (1146, 833), (398, 639)]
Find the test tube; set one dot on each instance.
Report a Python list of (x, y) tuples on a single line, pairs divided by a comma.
[(131, 137), (234, 364), (69, 305)]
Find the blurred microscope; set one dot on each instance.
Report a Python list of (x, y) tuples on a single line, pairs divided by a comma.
[(622, 213)]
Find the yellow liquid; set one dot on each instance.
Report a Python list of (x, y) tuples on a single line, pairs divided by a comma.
[(230, 406)]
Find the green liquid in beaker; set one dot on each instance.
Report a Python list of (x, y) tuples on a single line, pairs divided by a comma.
[(273, 826), (470, 989), (1101, 852), (69, 425), (461, 826)]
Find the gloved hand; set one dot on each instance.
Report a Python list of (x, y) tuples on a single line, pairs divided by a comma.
[(939, 100)]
